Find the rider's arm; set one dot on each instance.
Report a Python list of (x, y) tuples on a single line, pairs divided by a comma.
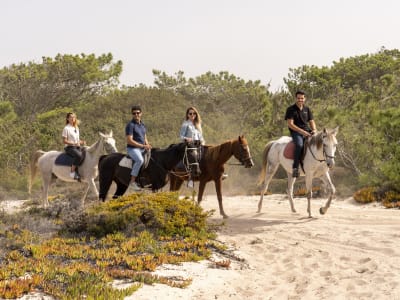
[(313, 126), (291, 125)]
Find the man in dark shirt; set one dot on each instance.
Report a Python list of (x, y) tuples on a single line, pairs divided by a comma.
[(136, 140), (301, 124)]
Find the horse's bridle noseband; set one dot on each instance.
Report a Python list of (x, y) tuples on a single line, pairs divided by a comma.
[(326, 156)]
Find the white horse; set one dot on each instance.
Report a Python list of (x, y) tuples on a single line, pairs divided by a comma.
[(319, 158), (45, 162)]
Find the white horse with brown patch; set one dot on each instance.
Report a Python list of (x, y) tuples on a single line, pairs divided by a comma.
[(318, 159), (88, 170)]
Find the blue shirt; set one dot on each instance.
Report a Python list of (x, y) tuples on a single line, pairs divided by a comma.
[(137, 131)]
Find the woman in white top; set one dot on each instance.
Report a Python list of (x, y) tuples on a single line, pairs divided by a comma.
[(70, 136)]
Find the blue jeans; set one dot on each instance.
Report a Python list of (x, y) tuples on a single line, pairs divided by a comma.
[(137, 157), (298, 140)]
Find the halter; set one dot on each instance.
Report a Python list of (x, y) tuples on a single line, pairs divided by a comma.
[(323, 153), (242, 160), (108, 147)]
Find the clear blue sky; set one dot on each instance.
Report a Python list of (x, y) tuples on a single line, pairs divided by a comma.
[(253, 39)]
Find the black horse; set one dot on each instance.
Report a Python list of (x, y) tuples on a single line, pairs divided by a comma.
[(153, 176)]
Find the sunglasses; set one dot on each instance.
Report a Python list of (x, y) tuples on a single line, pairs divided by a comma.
[(192, 114), (136, 113)]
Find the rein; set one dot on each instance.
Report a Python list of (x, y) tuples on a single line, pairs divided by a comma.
[(323, 153)]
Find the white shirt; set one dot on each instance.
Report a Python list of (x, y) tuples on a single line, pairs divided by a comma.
[(71, 133)]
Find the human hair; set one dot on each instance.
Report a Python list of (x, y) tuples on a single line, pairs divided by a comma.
[(136, 107), (300, 92), (76, 121), (197, 119)]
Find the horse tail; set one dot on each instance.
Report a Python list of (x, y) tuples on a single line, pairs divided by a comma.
[(264, 164), (33, 165)]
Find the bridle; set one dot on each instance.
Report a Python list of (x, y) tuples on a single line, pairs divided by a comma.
[(108, 147), (242, 157), (324, 153)]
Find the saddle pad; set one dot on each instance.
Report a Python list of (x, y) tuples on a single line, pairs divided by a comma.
[(125, 162), (64, 160), (288, 152)]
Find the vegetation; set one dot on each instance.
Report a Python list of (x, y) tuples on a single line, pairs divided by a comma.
[(120, 239), (360, 94)]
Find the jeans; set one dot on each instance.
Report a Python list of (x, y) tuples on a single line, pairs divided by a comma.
[(76, 153), (137, 157), (298, 140)]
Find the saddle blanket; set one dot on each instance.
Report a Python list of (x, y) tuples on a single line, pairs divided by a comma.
[(64, 160), (126, 162)]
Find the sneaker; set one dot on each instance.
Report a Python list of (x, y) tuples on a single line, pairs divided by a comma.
[(224, 176), (134, 187), (295, 172), (190, 184)]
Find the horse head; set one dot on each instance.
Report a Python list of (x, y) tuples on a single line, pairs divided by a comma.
[(193, 152), (327, 140), (242, 152), (108, 142)]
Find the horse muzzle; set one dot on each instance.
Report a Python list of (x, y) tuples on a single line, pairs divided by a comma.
[(248, 163), (195, 170)]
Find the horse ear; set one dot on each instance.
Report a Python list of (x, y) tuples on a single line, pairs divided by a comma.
[(111, 133), (102, 134), (335, 131), (324, 131)]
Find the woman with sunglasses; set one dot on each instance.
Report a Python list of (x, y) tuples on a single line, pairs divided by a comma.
[(191, 127), (191, 130), (71, 139)]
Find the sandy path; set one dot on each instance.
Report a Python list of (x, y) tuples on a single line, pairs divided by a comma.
[(352, 252)]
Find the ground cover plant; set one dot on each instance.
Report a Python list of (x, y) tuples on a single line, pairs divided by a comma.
[(126, 239)]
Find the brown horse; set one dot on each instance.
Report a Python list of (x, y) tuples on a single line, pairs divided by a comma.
[(212, 167)]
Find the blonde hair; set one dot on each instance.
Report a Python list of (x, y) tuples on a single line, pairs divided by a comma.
[(197, 119), (76, 121)]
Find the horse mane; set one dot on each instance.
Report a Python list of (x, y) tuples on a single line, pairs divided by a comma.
[(317, 140), (215, 153), (93, 147)]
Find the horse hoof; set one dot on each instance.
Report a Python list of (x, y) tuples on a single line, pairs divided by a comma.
[(225, 216), (321, 211)]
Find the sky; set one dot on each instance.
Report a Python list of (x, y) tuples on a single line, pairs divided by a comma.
[(252, 39)]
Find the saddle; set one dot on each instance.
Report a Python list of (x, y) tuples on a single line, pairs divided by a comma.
[(65, 159), (127, 162), (288, 152)]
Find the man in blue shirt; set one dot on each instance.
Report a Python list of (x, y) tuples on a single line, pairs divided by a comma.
[(136, 140), (301, 124)]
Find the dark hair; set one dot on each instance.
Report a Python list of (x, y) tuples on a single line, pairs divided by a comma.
[(300, 92), (136, 107)]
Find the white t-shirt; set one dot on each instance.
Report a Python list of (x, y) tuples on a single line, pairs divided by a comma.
[(71, 133)]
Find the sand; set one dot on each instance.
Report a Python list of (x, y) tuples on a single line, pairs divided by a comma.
[(352, 252)]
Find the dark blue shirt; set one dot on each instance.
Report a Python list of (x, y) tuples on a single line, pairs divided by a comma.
[(300, 117), (137, 131)]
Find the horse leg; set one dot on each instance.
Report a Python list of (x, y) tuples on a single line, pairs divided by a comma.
[(202, 186), (291, 181), (309, 193), (219, 196), (91, 185), (45, 190), (327, 180), (121, 189), (271, 170)]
